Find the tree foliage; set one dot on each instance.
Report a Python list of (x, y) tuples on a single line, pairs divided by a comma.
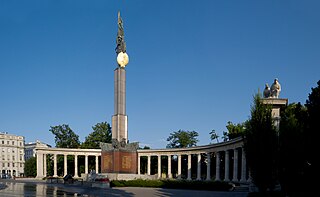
[(214, 135), (65, 137), (312, 134), (182, 139), (291, 147), (261, 145), (101, 133), (30, 167), (235, 130)]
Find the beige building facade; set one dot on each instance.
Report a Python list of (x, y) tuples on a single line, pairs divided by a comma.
[(12, 155)]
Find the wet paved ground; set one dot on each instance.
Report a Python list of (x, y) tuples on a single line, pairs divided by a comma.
[(31, 189)]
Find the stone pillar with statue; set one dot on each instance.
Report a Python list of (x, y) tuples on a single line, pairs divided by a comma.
[(119, 156), (271, 97)]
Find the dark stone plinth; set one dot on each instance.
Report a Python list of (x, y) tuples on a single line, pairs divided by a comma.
[(119, 159)]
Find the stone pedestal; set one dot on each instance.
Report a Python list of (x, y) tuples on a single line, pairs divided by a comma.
[(276, 103), (119, 159)]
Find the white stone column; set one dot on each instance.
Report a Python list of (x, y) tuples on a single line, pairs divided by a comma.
[(189, 167), (199, 167), (217, 166), (149, 165), (208, 167), (39, 164), (179, 166), (65, 165), (55, 174), (159, 166), (226, 166), (86, 165), (243, 167), (169, 167), (45, 165), (97, 164), (235, 165), (76, 175), (138, 164)]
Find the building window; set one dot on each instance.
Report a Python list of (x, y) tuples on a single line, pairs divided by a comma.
[(12, 142), (12, 164), (2, 142), (20, 144), (13, 158), (20, 165), (3, 165), (8, 164), (8, 142)]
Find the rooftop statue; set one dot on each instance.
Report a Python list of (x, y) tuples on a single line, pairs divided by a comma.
[(274, 91), (266, 92)]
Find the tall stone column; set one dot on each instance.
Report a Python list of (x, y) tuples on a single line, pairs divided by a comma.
[(235, 165), (179, 166), (39, 164), (159, 166), (169, 167), (120, 119), (138, 164), (189, 167), (208, 167), (226, 166), (217, 166), (44, 165), (97, 164), (149, 165), (199, 167), (76, 166), (65, 165), (86, 164), (243, 167), (55, 174)]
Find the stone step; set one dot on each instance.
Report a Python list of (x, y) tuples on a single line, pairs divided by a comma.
[(241, 188)]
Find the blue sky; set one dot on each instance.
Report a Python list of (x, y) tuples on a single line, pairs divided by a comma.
[(194, 65)]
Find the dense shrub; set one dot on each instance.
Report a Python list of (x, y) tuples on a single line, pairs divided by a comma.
[(174, 184)]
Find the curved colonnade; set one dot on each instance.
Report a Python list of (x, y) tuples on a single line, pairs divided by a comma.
[(221, 161)]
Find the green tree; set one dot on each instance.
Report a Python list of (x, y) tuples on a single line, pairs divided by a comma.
[(30, 167), (65, 137), (312, 135), (214, 135), (261, 145), (235, 130), (182, 139), (225, 136), (101, 133), (291, 148)]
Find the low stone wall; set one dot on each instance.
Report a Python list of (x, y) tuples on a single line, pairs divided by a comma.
[(126, 177)]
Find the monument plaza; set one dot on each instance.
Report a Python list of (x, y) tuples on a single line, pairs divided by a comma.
[(225, 161)]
